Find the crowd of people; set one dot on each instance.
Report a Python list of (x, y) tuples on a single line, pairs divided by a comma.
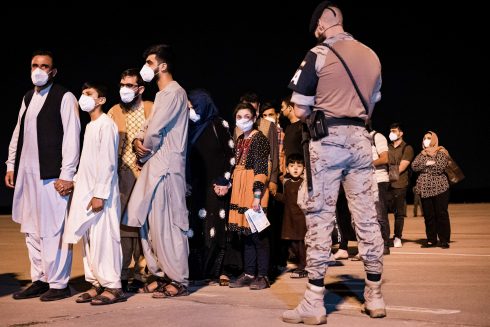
[(164, 186)]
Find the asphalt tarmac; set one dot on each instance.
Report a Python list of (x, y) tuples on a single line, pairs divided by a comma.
[(422, 287)]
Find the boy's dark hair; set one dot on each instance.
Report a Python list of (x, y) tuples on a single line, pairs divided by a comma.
[(100, 88), (133, 72), (44, 53), (164, 54), (295, 158)]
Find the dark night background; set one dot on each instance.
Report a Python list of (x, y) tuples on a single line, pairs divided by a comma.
[(435, 72)]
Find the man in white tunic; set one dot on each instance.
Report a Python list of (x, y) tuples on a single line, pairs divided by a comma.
[(158, 199), (95, 208), (43, 156)]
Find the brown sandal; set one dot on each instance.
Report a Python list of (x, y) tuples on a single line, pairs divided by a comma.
[(163, 292), (102, 300), (87, 297)]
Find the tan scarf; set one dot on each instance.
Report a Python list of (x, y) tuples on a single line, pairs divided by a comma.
[(434, 146)]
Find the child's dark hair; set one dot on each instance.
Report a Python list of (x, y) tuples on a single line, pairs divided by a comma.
[(295, 158), (100, 88)]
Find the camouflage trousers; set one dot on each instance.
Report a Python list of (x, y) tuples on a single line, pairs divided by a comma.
[(344, 156)]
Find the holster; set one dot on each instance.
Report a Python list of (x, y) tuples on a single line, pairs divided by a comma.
[(317, 125)]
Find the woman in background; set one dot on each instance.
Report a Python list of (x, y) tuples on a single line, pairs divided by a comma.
[(433, 187)]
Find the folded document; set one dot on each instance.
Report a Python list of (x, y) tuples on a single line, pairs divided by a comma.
[(257, 220)]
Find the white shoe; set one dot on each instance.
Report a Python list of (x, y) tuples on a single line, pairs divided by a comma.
[(397, 243), (341, 255)]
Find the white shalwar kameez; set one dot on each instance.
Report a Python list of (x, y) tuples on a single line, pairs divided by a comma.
[(97, 177), (37, 206)]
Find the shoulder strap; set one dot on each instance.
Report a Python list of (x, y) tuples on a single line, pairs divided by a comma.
[(364, 103)]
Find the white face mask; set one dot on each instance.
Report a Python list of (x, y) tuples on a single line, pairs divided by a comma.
[(147, 74), (393, 137), (86, 103), (39, 77), (427, 143), (193, 115), (272, 120), (244, 124), (127, 94)]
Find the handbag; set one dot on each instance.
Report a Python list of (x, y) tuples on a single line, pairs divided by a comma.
[(453, 172), (393, 172)]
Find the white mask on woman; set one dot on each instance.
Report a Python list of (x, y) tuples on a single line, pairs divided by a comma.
[(127, 94), (86, 103), (244, 124), (193, 115), (427, 143), (39, 77)]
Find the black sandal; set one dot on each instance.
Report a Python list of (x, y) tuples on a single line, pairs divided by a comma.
[(299, 273), (86, 297), (163, 292), (102, 300), (161, 282)]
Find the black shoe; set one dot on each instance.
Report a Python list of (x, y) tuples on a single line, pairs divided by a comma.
[(35, 290), (444, 245), (428, 245), (243, 280), (124, 285), (134, 286), (386, 250), (54, 294), (260, 283)]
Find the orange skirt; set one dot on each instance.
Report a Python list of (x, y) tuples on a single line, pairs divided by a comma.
[(242, 196)]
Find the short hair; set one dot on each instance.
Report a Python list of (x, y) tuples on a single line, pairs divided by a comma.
[(244, 105), (295, 158), (287, 100), (317, 13), (396, 126), (44, 53), (133, 72), (266, 106), (249, 97), (164, 54), (100, 88)]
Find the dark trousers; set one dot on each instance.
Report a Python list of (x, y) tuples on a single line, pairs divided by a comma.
[(397, 200), (344, 221), (436, 218), (256, 254), (131, 249), (382, 211), (298, 248)]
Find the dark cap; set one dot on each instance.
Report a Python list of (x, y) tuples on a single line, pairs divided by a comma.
[(318, 13)]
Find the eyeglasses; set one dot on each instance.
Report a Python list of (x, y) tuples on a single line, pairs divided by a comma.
[(129, 85)]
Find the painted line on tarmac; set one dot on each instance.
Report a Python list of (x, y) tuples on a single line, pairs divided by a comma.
[(399, 308), (446, 254)]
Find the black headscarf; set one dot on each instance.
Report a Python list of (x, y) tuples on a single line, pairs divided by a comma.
[(204, 107)]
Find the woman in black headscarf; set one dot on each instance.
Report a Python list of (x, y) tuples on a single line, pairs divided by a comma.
[(210, 159)]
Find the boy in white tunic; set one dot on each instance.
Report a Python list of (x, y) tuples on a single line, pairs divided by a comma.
[(95, 208)]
